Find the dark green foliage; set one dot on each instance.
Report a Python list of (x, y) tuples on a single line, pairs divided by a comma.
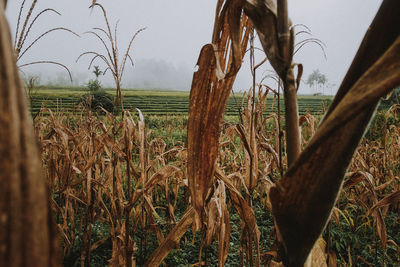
[(171, 128), (99, 257), (98, 101), (94, 85), (360, 238), (380, 123)]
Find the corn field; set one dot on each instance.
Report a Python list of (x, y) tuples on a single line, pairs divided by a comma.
[(102, 170), (95, 189)]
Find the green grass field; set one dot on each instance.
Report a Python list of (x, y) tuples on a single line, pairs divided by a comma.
[(157, 102)]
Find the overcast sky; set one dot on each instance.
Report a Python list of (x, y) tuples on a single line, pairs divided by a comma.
[(166, 52)]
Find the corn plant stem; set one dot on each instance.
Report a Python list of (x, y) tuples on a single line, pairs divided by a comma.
[(291, 119), (279, 129), (114, 180), (143, 257), (118, 97), (92, 195), (290, 91), (251, 139), (250, 247), (115, 214), (241, 256), (88, 232), (85, 253), (90, 206), (203, 234), (128, 248), (283, 30)]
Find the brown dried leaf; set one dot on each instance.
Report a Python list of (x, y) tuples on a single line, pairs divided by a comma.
[(172, 239), (223, 238), (357, 177), (213, 214), (208, 96), (155, 179), (264, 16), (391, 199), (202, 137)]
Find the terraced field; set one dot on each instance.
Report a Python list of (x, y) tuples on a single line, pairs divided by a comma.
[(152, 102)]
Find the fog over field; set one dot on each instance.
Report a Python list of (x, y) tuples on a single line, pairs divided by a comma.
[(165, 54)]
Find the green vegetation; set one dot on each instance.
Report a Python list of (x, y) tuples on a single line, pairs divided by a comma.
[(156, 102)]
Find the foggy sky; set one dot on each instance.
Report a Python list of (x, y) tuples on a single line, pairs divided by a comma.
[(166, 52)]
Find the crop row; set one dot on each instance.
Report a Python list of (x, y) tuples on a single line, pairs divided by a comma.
[(161, 105)]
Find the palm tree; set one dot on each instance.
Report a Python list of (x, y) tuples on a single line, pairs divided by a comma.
[(97, 72)]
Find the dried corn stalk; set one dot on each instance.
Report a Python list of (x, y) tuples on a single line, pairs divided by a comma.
[(321, 167), (270, 18), (95, 181), (27, 236), (218, 65)]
